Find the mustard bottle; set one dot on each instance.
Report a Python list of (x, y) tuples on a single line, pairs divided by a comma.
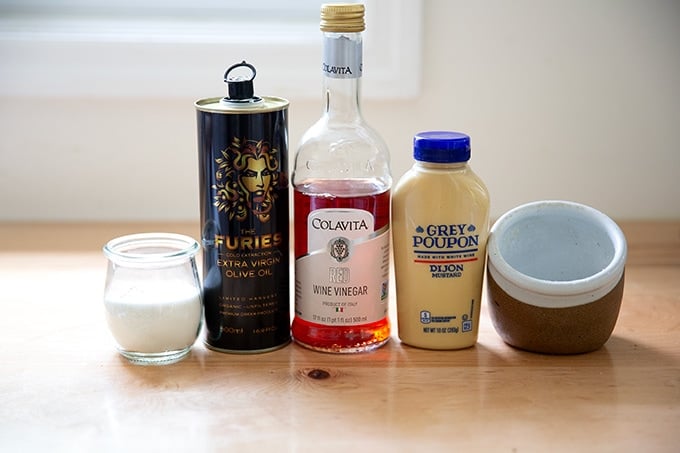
[(440, 225)]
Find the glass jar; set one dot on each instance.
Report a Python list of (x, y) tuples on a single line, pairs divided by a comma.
[(152, 296)]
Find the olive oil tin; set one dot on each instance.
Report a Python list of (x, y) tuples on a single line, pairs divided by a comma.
[(244, 208)]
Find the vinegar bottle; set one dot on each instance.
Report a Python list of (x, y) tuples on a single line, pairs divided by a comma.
[(341, 183), (440, 226)]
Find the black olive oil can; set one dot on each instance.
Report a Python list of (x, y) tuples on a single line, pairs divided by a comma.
[(244, 204)]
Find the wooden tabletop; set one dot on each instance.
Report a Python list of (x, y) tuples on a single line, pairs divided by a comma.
[(63, 387)]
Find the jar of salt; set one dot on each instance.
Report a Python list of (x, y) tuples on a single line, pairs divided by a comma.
[(152, 296)]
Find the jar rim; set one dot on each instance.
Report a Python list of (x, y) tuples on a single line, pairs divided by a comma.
[(151, 248), (547, 292)]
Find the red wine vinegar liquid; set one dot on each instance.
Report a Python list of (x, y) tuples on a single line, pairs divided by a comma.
[(338, 194)]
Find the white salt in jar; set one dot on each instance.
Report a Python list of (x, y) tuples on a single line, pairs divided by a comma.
[(152, 297)]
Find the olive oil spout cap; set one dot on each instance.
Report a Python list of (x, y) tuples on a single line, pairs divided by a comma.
[(240, 86)]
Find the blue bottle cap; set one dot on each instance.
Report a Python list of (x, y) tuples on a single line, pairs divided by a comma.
[(441, 147)]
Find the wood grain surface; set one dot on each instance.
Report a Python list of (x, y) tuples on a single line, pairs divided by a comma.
[(63, 387)]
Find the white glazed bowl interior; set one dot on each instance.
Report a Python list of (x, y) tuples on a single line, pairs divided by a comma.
[(556, 254)]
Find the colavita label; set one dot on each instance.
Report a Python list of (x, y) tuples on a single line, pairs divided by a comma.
[(342, 58), (338, 281)]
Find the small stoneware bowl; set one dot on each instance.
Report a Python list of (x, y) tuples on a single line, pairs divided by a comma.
[(555, 277)]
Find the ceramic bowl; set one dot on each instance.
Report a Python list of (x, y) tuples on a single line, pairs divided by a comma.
[(555, 277)]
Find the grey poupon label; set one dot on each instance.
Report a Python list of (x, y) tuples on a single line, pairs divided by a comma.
[(342, 58)]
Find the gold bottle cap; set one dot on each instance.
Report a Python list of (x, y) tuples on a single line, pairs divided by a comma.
[(342, 17)]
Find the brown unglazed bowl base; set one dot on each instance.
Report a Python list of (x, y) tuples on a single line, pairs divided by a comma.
[(571, 330)]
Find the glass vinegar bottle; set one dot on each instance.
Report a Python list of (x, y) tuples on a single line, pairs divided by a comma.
[(342, 184)]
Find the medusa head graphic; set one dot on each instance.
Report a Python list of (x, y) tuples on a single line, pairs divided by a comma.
[(247, 174)]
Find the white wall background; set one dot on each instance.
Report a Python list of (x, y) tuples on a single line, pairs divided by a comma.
[(576, 100)]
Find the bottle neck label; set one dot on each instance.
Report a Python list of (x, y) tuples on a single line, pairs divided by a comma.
[(342, 58)]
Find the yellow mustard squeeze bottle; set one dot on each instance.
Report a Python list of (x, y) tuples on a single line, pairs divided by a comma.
[(440, 225)]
